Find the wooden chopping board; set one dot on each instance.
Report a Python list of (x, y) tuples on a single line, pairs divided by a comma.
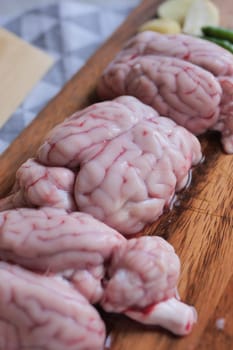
[(200, 227)]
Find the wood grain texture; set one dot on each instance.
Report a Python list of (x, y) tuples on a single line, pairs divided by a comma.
[(200, 225), (21, 67), (223, 339)]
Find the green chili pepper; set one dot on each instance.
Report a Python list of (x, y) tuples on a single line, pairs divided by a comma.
[(218, 32)]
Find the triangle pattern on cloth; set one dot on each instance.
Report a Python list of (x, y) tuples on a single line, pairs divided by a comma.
[(88, 21), (13, 127), (51, 41), (14, 26), (3, 145), (40, 95), (33, 25), (50, 10), (109, 21), (71, 65), (27, 115), (56, 75), (72, 9), (75, 37), (86, 51)]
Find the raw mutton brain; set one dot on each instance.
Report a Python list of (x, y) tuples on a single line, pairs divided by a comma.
[(185, 78), (203, 53), (121, 162), (46, 313), (59, 243), (38, 186), (74, 254)]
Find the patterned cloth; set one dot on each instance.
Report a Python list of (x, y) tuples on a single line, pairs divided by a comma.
[(70, 32)]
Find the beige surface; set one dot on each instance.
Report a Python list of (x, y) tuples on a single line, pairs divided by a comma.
[(21, 66)]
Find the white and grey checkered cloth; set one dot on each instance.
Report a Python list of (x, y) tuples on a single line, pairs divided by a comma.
[(70, 32)]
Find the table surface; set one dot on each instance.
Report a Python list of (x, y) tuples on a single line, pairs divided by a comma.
[(14, 7), (51, 28)]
